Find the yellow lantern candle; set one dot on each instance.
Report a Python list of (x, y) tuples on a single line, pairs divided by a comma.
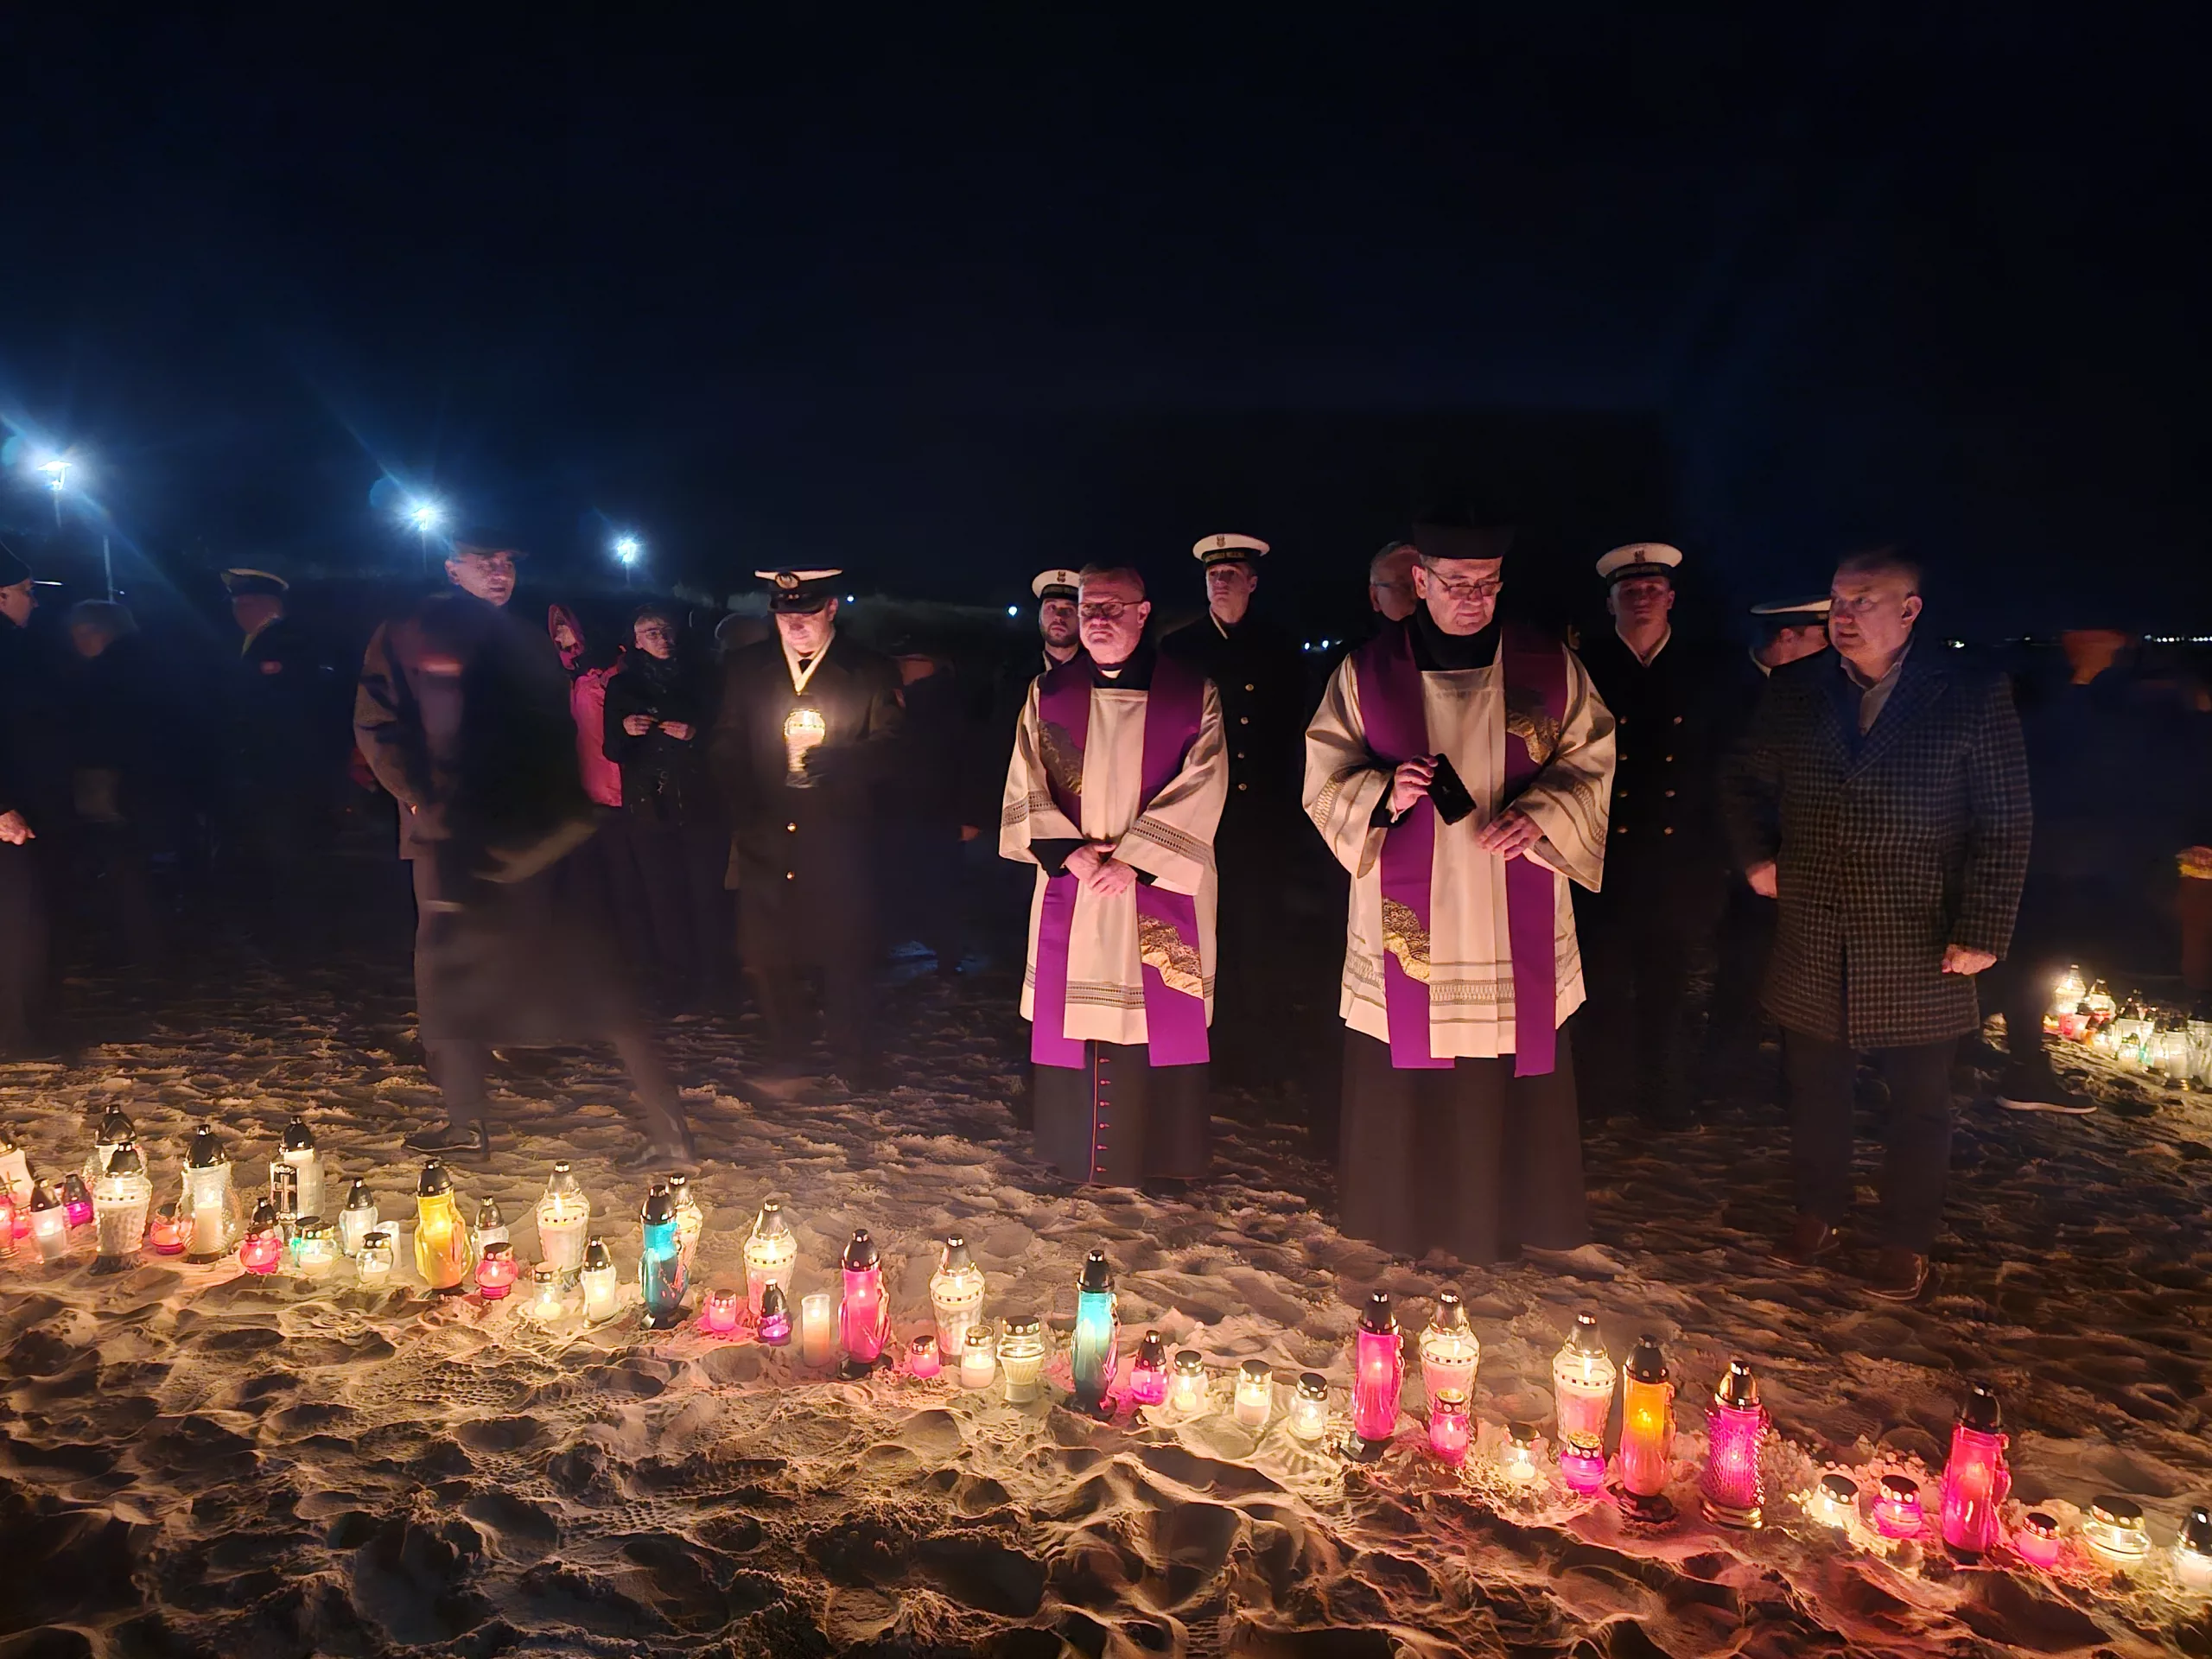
[(1647, 1453), (442, 1252)]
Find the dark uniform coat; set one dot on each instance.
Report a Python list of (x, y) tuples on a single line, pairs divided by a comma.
[(1261, 681), (462, 713), (1889, 846), (804, 856), (1668, 743)]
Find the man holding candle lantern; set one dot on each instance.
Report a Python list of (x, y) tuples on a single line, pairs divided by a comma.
[(1116, 787), (1460, 766), (1881, 797), (806, 721)]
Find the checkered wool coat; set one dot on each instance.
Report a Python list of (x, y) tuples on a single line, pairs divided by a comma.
[(1888, 847)]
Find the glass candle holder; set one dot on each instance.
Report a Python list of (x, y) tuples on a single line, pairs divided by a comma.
[(1378, 1370), (1450, 1433), (1148, 1372), (2115, 1532), (864, 1314), (1975, 1478), (718, 1313), (15, 1173), (8, 1221), (491, 1226), (1186, 1389), (1735, 1424), (1309, 1407), (2038, 1542), (773, 1327), (1021, 1359), (955, 1294), (356, 1218), (602, 1289), (1517, 1455), (1449, 1351), (1896, 1508), (1647, 1449), (563, 1221), (1256, 1393), (803, 728), (49, 1224), (374, 1264), (817, 1328), (211, 1208), (921, 1356), (1833, 1501), (443, 1255), (1582, 1466), (979, 1360), (297, 1151), (262, 1247), (1583, 1379), (76, 1200), (166, 1231), (497, 1270), (769, 1252), (284, 1194), (551, 1298), (1097, 1333), (2192, 1556), (121, 1199), (661, 1282), (115, 1129), (314, 1252), (690, 1220)]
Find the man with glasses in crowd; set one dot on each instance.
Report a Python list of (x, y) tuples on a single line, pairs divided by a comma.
[(1881, 798)]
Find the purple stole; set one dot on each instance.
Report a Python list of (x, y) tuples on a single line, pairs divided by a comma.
[(1398, 730), (1175, 1020)]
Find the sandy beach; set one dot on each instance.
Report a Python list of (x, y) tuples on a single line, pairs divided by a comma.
[(193, 1461)]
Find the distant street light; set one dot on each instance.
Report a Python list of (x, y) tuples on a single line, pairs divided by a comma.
[(629, 549), (425, 516), (57, 479)]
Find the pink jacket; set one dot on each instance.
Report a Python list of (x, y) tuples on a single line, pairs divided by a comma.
[(587, 706)]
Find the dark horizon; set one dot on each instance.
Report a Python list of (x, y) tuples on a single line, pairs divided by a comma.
[(948, 310)]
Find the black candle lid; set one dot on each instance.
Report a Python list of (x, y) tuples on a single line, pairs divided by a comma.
[(1740, 1387), (358, 1196), (1451, 1312), (2196, 1532), (115, 1125), (860, 1254), (1098, 1274), (1979, 1412), (1022, 1325), (1152, 1352), (1645, 1363), (1584, 1338), (125, 1160), (264, 1218), (1378, 1320), (770, 1223), (42, 1197), (659, 1208), (297, 1136), (73, 1189), (1312, 1385), (772, 1304), (487, 1215), (206, 1150), (596, 1259), (1841, 1487), (435, 1180)]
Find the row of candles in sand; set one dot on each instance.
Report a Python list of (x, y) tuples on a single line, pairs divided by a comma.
[(577, 1277), (2132, 1033)]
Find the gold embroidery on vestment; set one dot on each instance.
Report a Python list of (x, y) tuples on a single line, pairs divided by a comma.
[(1527, 719), (1062, 761), (1404, 937), (1159, 945)]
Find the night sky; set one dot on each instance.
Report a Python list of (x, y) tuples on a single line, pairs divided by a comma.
[(947, 304)]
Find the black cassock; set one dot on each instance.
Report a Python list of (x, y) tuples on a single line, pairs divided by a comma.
[(805, 855)]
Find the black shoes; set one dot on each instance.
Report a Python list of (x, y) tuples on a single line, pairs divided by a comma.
[(2023, 1090), (445, 1139), (661, 1156)]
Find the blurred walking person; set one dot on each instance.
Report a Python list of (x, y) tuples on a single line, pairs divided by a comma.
[(31, 793), (122, 762), (282, 761), (463, 713)]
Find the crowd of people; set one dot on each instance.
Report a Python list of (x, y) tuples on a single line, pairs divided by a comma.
[(1538, 840)]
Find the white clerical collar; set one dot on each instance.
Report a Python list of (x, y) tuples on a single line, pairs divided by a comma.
[(803, 670), (1655, 650)]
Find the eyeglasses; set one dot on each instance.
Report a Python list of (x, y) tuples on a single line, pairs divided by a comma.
[(1464, 587), (1863, 604), (1104, 610)]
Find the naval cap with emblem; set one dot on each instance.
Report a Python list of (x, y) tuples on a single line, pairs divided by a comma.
[(1794, 612), (239, 581), (1640, 559), (1227, 548), (799, 592), (1057, 584)]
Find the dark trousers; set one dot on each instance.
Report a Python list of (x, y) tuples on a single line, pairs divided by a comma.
[(1742, 946), (1635, 939), (785, 945), (23, 966), (679, 869), (458, 1069), (1917, 1140)]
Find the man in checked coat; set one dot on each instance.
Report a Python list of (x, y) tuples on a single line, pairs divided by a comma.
[(1881, 797)]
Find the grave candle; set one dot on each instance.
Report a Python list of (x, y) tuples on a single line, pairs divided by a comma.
[(1378, 1376), (1021, 1357), (978, 1358), (774, 1328), (1449, 1432), (1097, 1333), (1647, 1432), (1187, 1389), (921, 1356), (1975, 1479), (864, 1316), (817, 1328), (1449, 1351), (1309, 1407), (1148, 1372), (955, 1294), (563, 1221), (602, 1290), (1256, 1393), (1735, 1423), (374, 1264)]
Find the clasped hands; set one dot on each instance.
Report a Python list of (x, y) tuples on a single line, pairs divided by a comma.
[(1093, 864), (1509, 835), (638, 725)]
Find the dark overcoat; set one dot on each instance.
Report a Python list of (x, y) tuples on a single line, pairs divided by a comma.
[(1261, 682), (1888, 847), (805, 856), (462, 713)]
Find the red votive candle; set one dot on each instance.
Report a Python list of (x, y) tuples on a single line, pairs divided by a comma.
[(2037, 1539), (497, 1271), (258, 1252), (922, 1356), (1896, 1508), (165, 1231)]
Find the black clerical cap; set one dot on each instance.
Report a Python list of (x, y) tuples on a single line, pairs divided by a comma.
[(800, 592), (1456, 537), (240, 580)]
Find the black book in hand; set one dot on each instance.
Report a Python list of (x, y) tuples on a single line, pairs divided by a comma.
[(1447, 794)]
